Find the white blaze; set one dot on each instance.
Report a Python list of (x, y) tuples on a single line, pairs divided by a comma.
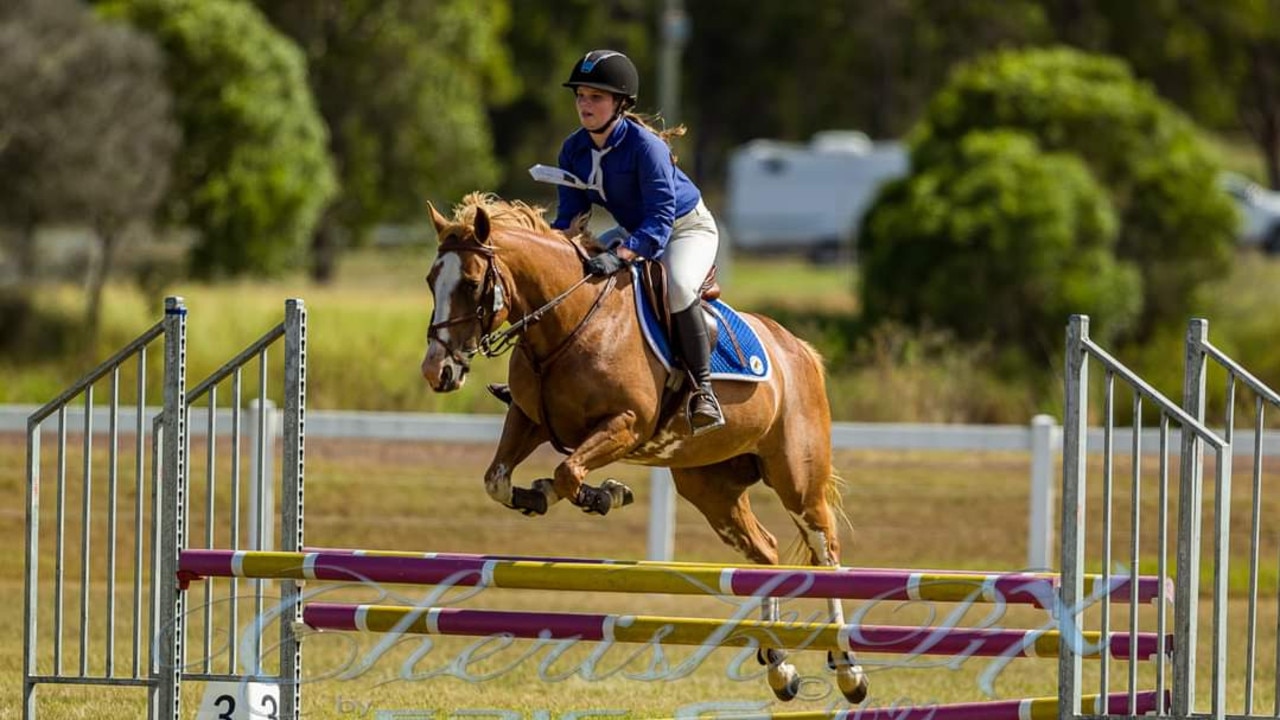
[(450, 272)]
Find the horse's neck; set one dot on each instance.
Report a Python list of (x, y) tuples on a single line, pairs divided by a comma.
[(542, 269)]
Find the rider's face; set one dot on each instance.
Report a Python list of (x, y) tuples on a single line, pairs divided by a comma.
[(595, 108)]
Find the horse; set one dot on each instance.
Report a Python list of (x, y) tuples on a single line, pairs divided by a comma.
[(582, 379)]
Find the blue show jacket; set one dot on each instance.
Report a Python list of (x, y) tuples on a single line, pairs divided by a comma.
[(643, 189)]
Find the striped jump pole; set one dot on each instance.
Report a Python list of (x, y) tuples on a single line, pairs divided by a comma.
[(668, 578), (1149, 586), (592, 627), (1032, 709)]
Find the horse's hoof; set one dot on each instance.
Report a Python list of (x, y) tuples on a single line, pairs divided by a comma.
[(620, 493), (529, 502), (597, 501), (784, 681), (852, 682), (771, 656)]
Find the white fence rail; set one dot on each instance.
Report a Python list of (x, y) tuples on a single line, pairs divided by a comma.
[(1042, 438)]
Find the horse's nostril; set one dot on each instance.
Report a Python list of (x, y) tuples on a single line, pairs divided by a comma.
[(446, 375)]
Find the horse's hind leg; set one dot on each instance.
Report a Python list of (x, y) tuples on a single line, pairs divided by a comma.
[(720, 493), (802, 479)]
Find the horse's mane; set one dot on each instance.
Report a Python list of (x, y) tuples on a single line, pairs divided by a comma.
[(502, 213), (512, 214)]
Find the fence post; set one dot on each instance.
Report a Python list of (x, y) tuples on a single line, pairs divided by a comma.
[(291, 537), (30, 656), (1190, 500), (262, 491), (1074, 437), (1040, 528), (168, 655), (662, 515)]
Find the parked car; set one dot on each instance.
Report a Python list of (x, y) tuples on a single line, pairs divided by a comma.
[(1259, 212)]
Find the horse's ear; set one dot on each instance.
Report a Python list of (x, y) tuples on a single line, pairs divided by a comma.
[(436, 218), (481, 225)]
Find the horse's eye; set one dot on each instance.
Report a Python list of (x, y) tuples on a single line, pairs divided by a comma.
[(469, 284)]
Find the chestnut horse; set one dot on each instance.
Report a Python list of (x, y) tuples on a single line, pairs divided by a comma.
[(582, 378)]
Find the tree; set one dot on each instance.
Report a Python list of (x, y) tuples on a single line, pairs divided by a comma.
[(1177, 227), (1220, 61), (868, 66), (90, 133), (547, 39), (403, 87), (1000, 241), (253, 175)]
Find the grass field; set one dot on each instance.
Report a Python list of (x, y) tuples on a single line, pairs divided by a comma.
[(951, 510)]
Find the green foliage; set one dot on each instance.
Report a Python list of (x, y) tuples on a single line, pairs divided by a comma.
[(253, 174), (1216, 60), (403, 86), (546, 39), (86, 133), (998, 240), (866, 65), (1175, 225)]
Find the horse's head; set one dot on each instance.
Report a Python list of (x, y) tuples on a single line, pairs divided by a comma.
[(469, 299)]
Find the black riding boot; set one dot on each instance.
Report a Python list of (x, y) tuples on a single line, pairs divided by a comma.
[(691, 339)]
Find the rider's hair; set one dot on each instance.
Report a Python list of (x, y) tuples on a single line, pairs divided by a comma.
[(648, 123)]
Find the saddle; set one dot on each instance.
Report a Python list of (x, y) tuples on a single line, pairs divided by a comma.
[(739, 355), (653, 276)]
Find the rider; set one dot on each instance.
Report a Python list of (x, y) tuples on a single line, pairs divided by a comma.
[(626, 166)]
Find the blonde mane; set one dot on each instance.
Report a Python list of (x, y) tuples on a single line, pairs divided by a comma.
[(502, 213), (516, 214)]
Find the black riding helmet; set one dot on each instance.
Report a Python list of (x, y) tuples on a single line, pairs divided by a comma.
[(607, 70)]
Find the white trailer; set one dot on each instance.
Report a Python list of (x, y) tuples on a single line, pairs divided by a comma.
[(807, 198)]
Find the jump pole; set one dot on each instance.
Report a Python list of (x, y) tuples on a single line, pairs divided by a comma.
[(860, 584), (942, 586), (1030, 709), (595, 627)]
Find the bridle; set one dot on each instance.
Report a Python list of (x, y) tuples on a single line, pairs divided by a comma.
[(492, 301)]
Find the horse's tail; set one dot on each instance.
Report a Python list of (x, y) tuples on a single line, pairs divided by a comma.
[(797, 552), (835, 483), (815, 357), (835, 492)]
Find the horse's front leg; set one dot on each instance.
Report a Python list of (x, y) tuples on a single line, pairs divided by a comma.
[(520, 437), (608, 442)]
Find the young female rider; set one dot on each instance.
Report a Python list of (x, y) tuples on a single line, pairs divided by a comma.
[(627, 167)]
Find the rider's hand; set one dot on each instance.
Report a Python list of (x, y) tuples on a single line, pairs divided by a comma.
[(606, 263)]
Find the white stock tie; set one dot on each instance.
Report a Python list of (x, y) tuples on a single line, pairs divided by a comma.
[(558, 176), (595, 180)]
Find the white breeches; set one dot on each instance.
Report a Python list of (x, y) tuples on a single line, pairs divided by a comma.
[(688, 257)]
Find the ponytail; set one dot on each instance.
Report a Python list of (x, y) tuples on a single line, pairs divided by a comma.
[(666, 134)]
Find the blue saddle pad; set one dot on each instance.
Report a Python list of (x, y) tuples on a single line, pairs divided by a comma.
[(725, 362)]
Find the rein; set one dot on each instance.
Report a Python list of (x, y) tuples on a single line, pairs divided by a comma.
[(497, 343)]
